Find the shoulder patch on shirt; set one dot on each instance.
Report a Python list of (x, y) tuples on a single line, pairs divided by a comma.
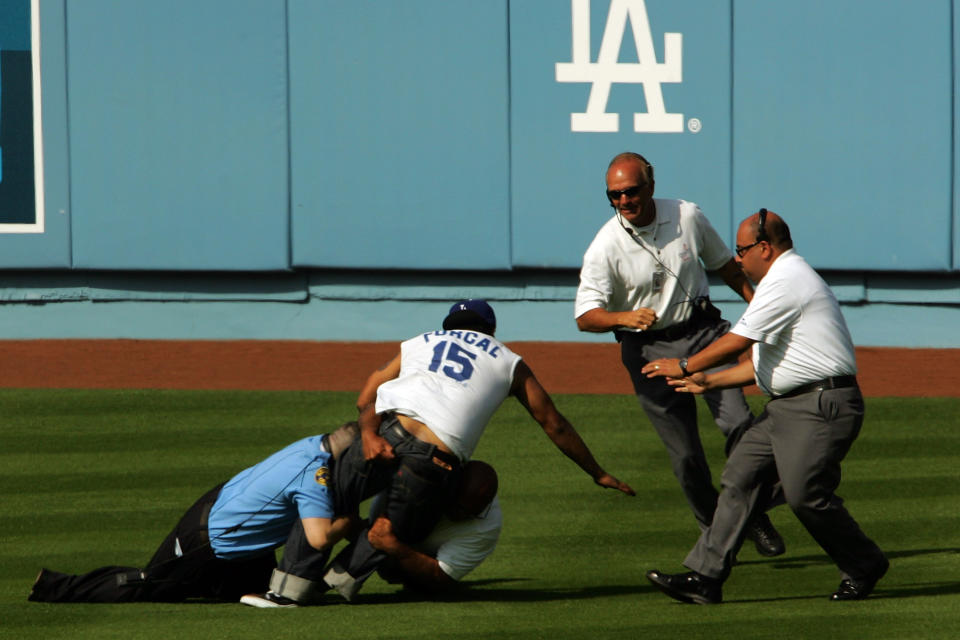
[(322, 476)]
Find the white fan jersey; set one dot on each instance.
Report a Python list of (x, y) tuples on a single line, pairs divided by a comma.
[(451, 381)]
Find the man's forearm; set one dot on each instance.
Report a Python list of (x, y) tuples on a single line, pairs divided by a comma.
[(738, 376), (597, 321), (566, 438), (726, 348), (415, 567), (733, 275)]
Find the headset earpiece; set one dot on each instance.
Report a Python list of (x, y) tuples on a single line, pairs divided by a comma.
[(762, 231)]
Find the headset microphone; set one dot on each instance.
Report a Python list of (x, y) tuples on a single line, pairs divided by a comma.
[(761, 231)]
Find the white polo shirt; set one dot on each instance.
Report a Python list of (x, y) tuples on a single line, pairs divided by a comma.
[(800, 333), (618, 272)]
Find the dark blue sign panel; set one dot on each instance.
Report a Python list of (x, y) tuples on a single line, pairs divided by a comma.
[(18, 211)]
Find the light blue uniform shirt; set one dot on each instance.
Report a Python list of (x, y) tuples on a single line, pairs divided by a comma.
[(258, 506)]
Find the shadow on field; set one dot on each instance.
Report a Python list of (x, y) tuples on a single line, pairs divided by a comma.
[(478, 591), (901, 590), (800, 562)]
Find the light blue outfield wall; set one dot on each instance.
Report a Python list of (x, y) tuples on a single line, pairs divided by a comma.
[(398, 138), (361, 306), (178, 134), (843, 123), (253, 135), (209, 162), (558, 174)]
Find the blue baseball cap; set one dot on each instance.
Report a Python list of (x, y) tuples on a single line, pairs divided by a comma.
[(470, 310)]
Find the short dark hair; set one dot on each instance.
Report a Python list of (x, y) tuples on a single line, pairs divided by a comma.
[(776, 231), (477, 489)]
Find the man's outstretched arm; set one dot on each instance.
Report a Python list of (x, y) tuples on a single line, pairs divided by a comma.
[(537, 401)]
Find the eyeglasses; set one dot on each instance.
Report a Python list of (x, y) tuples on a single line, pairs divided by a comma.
[(742, 250), (761, 234), (630, 192)]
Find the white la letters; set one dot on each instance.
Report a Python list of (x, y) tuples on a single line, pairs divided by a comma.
[(607, 70)]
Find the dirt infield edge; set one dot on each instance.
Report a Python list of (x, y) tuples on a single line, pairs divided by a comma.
[(592, 368)]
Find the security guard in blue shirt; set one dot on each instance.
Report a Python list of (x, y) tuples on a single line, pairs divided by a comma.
[(223, 546)]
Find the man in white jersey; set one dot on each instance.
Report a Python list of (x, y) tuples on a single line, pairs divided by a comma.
[(421, 417), (803, 357), (644, 277)]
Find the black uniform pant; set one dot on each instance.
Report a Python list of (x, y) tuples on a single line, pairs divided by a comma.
[(184, 566), (420, 484)]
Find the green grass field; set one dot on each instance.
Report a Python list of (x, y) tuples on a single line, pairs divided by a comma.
[(92, 478)]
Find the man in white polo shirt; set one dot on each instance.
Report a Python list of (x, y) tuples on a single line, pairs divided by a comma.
[(803, 357), (644, 277)]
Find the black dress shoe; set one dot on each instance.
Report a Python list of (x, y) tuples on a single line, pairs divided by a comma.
[(859, 589), (765, 537), (688, 587)]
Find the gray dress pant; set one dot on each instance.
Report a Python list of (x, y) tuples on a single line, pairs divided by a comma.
[(674, 415), (803, 439)]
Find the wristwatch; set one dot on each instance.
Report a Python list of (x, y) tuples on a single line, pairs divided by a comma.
[(683, 367)]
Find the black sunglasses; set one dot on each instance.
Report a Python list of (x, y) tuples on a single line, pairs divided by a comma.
[(630, 192)]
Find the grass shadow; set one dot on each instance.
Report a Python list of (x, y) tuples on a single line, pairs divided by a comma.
[(479, 591)]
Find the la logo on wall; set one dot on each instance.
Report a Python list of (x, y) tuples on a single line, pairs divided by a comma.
[(21, 143), (608, 70)]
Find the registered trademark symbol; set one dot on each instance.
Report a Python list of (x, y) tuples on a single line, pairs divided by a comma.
[(694, 125)]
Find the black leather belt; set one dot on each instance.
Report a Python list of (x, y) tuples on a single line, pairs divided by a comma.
[(836, 382), (394, 433), (670, 333)]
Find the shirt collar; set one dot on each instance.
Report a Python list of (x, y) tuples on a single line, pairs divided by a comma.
[(658, 219)]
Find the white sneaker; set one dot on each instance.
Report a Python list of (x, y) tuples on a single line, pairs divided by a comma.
[(268, 600)]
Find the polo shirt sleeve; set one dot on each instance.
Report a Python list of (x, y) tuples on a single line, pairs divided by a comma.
[(713, 250), (313, 497), (770, 312), (596, 281)]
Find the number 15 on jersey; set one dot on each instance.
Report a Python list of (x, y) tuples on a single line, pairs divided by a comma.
[(457, 362)]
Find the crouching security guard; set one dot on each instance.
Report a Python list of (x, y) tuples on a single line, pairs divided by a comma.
[(223, 546)]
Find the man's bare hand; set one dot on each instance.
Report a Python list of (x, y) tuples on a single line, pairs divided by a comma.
[(642, 318), (694, 383), (608, 481), (376, 448), (663, 368)]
